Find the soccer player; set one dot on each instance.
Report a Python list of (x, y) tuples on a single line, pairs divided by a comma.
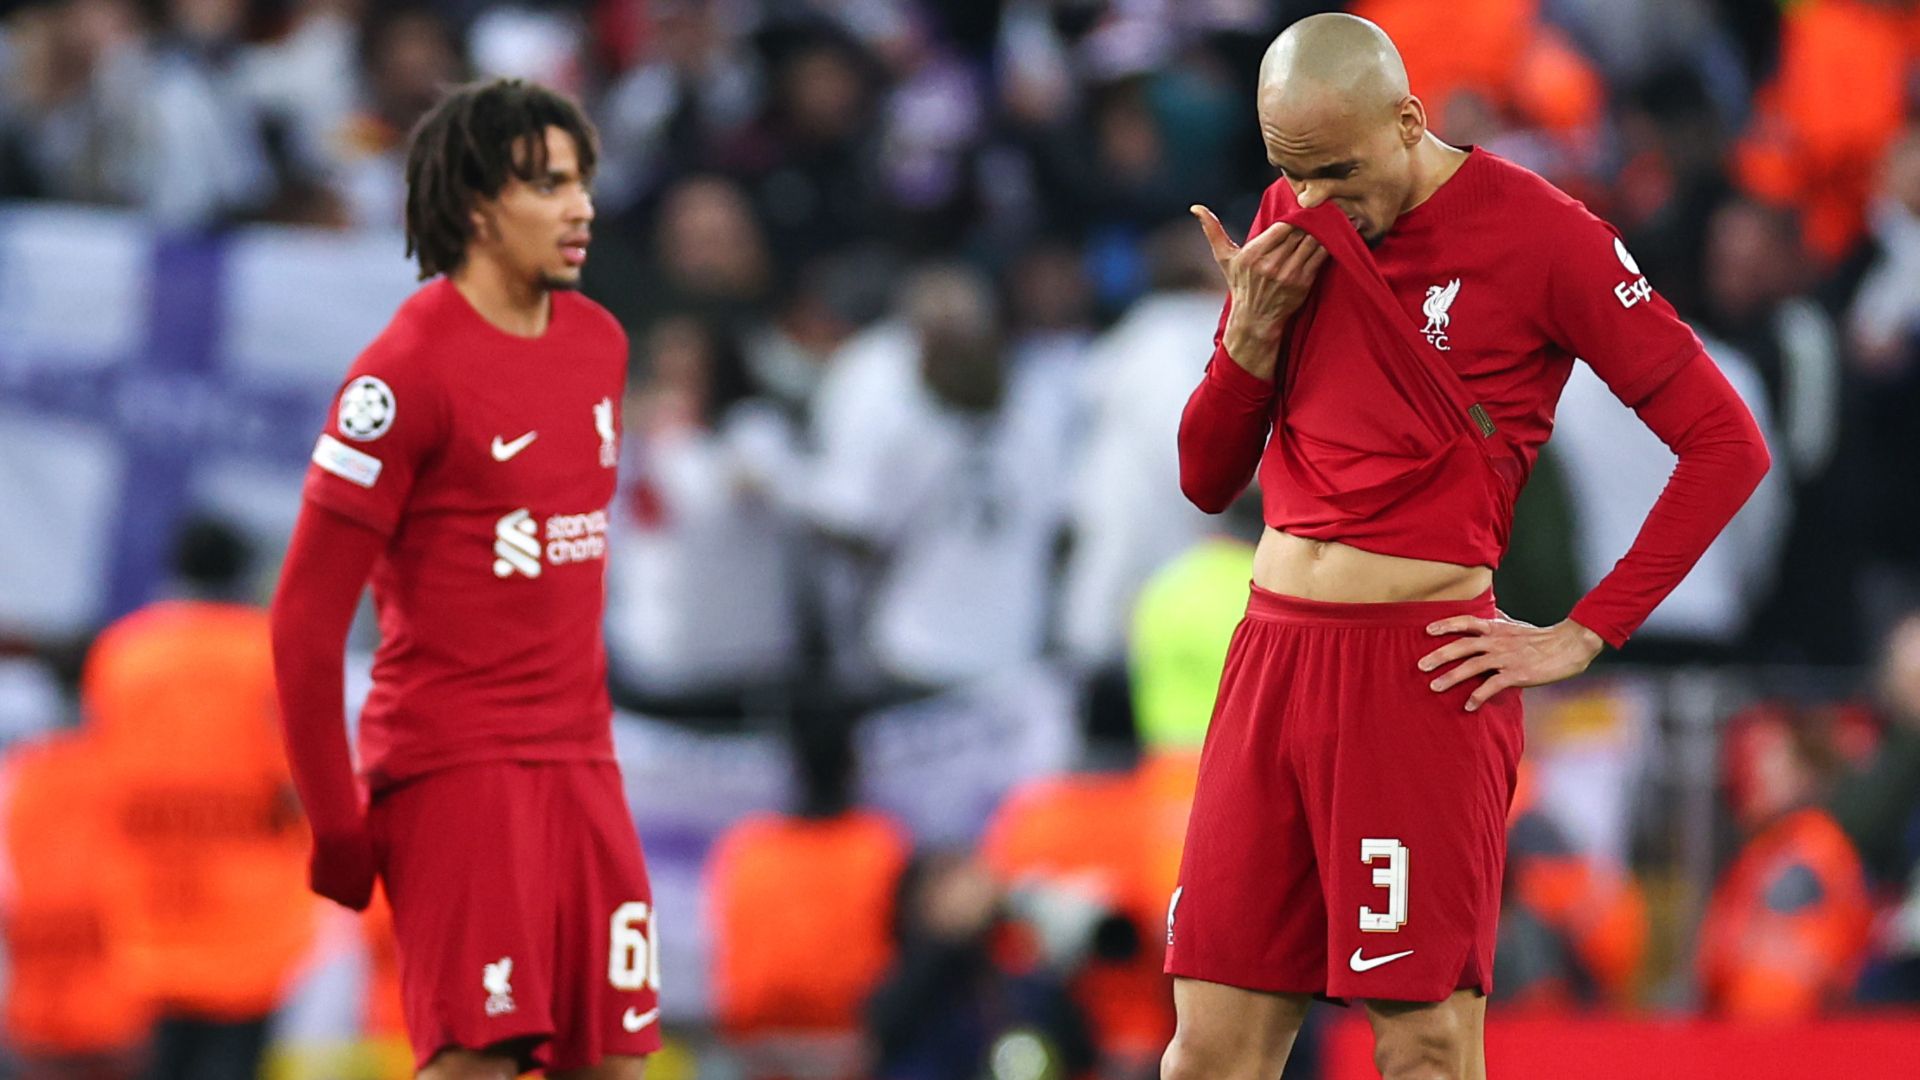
[(467, 467), (1399, 326)]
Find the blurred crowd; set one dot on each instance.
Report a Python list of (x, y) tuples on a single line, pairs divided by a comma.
[(914, 304)]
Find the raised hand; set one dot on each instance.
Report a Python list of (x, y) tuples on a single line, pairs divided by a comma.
[(1269, 278)]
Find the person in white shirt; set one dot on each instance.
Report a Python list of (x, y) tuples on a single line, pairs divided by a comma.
[(1128, 516), (939, 468)]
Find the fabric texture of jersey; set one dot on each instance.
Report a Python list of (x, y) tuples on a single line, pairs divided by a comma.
[(488, 460), (523, 912), (1348, 834)]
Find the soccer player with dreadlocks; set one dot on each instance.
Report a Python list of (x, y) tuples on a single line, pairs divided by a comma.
[(467, 468)]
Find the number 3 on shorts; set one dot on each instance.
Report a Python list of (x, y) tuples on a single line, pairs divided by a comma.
[(632, 962), (1391, 877)]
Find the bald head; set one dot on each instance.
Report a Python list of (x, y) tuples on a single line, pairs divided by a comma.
[(1336, 60), (1341, 126)]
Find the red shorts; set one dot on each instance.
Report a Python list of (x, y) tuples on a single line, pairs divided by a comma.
[(522, 912), (1348, 834)]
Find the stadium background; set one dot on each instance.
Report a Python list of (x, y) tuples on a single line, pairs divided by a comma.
[(914, 304)]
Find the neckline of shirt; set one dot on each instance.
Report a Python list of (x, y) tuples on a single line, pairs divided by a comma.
[(471, 316)]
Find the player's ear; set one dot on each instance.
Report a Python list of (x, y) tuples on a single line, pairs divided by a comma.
[(482, 223), (1412, 121)]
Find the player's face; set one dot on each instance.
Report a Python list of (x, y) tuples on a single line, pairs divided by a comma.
[(539, 228), (1362, 164)]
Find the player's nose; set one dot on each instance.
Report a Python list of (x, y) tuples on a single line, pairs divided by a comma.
[(1309, 195)]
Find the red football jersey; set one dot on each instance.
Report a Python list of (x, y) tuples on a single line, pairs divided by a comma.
[(1419, 381), (488, 460), (1508, 279)]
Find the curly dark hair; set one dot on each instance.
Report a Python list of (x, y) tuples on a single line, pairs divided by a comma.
[(466, 147)]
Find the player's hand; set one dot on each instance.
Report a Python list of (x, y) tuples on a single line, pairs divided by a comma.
[(1509, 652), (1269, 279), (342, 868)]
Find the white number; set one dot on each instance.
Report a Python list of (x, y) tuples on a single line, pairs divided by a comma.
[(1391, 877), (633, 963)]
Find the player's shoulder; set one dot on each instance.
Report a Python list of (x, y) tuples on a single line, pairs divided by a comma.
[(596, 321), (1529, 199), (406, 347)]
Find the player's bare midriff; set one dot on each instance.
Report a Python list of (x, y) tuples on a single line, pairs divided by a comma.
[(1339, 573)]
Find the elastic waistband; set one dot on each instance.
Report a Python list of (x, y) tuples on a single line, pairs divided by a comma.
[(1278, 607)]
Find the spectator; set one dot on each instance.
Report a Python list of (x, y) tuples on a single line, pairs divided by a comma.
[(1785, 932), (1757, 293), (803, 910), (74, 1005), (408, 57), (938, 471), (1884, 327), (1613, 463), (951, 1004), (1573, 929), (1128, 514), (179, 703), (1078, 856), (703, 587), (709, 260)]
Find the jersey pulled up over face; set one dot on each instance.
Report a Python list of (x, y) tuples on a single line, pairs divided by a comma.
[(488, 461)]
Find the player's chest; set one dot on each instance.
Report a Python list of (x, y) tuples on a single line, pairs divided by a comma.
[(1478, 312), (535, 444)]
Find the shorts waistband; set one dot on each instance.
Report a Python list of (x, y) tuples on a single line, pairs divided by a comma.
[(1279, 607)]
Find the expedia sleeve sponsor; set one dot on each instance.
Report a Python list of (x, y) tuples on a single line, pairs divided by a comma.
[(1600, 308)]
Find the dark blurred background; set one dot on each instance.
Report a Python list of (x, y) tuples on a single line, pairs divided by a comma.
[(913, 636)]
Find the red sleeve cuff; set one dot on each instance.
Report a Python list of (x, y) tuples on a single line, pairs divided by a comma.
[(1612, 630), (1236, 381)]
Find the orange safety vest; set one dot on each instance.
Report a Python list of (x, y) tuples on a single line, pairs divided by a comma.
[(180, 699), (1098, 830), (1596, 906), (70, 985), (1786, 929), (802, 920)]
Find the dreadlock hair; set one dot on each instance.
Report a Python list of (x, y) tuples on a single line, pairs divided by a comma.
[(465, 148)]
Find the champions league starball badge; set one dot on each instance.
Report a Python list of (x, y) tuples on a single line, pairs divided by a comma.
[(366, 409)]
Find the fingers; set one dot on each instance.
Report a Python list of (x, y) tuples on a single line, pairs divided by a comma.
[(1489, 688), (1452, 651), (1315, 261), (1223, 248), (1270, 240), (1460, 624), (1467, 670), (1295, 267)]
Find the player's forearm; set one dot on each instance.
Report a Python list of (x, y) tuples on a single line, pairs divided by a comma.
[(326, 566), (1222, 433), (1722, 458)]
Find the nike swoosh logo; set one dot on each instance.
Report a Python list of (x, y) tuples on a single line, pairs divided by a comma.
[(1361, 963), (634, 1021), (505, 450)]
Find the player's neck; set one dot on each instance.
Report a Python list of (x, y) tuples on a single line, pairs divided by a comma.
[(509, 302), (1434, 163)]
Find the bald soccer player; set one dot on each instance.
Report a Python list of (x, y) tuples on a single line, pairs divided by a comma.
[(1399, 327)]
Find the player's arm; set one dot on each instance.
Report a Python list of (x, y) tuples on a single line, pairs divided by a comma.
[(1599, 307), (326, 566), (1225, 425), (389, 422)]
